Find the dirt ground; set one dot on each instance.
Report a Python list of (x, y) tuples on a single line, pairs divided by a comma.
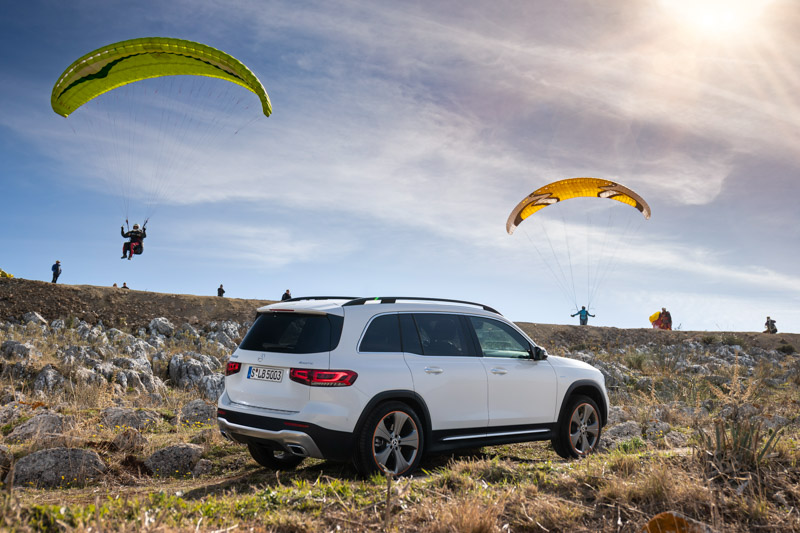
[(117, 307), (135, 309)]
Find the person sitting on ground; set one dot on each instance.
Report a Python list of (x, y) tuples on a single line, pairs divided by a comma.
[(124, 286), (770, 326), (134, 245), (286, 296), (584, 316)]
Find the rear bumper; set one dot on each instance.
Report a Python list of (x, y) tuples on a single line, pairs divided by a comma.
[(306, 440)]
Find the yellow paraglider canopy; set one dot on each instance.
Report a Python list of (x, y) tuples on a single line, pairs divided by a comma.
[(574, 188)]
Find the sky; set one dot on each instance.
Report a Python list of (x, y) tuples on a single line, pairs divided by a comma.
[(403, 134)]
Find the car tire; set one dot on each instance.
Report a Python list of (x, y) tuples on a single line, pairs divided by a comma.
[(578, 432), (273, 458), (391, 440)]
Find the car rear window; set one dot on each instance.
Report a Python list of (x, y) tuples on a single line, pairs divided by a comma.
[(293, 333), (382, 335)]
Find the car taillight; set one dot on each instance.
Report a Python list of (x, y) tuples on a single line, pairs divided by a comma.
[(323, 378), (232, 368)]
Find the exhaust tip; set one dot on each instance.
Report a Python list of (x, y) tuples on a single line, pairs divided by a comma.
[(296, 449)]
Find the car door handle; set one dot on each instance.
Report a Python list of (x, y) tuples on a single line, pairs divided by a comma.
[(433, 370), (499, 371)]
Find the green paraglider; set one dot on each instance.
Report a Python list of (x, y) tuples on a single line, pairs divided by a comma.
[(147, 113), (133, 60)]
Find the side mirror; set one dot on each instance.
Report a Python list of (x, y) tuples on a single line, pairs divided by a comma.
[(539, 354)]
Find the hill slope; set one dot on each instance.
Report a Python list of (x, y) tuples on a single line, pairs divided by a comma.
[(135, 309), (117, 307)]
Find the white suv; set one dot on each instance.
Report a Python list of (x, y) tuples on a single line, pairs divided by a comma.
[(381, 381)]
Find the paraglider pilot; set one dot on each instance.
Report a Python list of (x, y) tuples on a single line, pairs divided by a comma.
[(134, 245), (584, 315)]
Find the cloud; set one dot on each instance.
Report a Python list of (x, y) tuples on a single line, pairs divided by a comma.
[(255, 247)]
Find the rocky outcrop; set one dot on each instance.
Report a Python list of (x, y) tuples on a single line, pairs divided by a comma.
[(130, 441), (57, 468), (123, 418), (187, 369), (198, 413), (18, 350), (174, 461), (46, 429)]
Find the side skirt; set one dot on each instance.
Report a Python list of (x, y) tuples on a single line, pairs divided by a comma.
[(445, 440)]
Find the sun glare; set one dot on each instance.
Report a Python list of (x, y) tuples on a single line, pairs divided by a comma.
[(716, 17)]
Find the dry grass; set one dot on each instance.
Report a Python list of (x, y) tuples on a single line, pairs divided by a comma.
[(514, 487)]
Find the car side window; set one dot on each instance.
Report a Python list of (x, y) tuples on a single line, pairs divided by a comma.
[(410, 336), (498, 339), (442, 334), (382, 335)]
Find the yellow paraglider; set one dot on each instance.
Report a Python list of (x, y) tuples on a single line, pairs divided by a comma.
[(574, 188), (567, 255)]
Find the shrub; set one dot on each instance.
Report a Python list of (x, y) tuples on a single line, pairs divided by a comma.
[(635, 360), (631, 445), (735, 446)]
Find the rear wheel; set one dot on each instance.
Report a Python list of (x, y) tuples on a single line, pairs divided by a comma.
[(274, 458), (390, 441), (578, 432)]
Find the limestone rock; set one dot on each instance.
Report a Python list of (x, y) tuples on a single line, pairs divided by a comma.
[(58, 467), (198, 412), (6, 458), (35, 318), (123, 418), (130, 441), (212, 386), (174, 461), (161, 326), (187, 369), (47, 429), (48, 380)]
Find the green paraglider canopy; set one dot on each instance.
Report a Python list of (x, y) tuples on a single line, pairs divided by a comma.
[(149, 114), (133, 60)]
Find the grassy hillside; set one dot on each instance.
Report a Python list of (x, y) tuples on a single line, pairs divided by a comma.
[(702, 423)]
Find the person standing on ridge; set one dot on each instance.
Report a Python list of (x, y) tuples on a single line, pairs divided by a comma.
[(584, 316), (220, 291), (665, 318), (286, 296), (56, 268)]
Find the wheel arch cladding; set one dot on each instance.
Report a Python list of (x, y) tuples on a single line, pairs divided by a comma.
[(410, 398), (586, 388)]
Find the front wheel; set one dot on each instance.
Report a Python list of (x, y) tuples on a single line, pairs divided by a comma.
[(390, 441), (273, 458), (579, 429)]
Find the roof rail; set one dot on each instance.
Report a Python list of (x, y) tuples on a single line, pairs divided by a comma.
[(393, 299), (301, 298)]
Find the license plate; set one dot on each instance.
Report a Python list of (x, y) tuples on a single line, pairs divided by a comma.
[(264, 373)]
